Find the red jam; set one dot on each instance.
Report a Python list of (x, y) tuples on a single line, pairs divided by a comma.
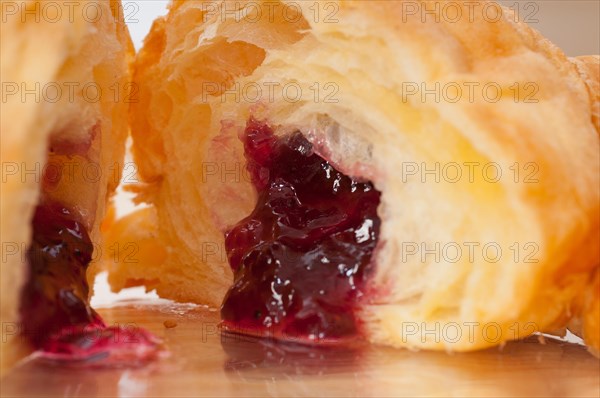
[(301, 259), (55, 312)]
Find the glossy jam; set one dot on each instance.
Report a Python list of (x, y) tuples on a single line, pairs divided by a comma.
[(301, 258), (56, 293), (114, 346), (55, 311)]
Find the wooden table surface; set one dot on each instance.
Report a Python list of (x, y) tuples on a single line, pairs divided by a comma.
[(202, 362)]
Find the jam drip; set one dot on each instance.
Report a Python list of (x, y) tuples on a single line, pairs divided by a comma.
[(55, 312), (301, 258)]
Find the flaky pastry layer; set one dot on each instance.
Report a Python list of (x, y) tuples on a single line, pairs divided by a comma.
[(541, 123), (63, 126)]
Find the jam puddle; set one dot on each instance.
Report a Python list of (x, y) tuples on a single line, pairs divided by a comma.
[(301, 259), (55, 312)]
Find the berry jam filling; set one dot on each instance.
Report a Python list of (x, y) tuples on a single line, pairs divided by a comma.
[(301, 259), (55, 312)]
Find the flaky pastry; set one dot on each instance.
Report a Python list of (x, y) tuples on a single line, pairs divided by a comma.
[(65, 74), (479, 136)]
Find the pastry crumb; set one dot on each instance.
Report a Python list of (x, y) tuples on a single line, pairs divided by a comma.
[(541, 339), (169, 324)]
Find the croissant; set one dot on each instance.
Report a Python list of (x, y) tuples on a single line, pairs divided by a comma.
[(359, 170), (65, 75)]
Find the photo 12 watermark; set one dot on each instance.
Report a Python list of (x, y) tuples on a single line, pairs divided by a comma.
[(470, 92), (68, 92), (430, 252), (269, 92), (408, 172), (271, 11), (408, 332), (85, 335), (469, 172), (49, 11), (469, 11), (53, 173), (126, 252)]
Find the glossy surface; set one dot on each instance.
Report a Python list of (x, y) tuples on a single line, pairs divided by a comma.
[(205, 363), (55, 295), (100, 346), (55, 313), (301, 258)]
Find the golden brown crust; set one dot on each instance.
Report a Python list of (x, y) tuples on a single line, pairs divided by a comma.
[(591, 315), (188, 120), (587, 304), (589, 70), (41, 51)]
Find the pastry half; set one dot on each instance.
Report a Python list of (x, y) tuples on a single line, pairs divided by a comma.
[(66, 92), (323, 178)]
